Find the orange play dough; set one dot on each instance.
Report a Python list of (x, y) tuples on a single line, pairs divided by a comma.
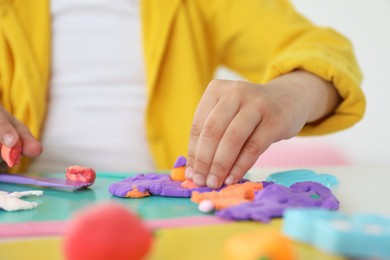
[(261, 244), (12, 155), (230, 196), (178, 174), (188, 184), (106, 231), (135, 193)]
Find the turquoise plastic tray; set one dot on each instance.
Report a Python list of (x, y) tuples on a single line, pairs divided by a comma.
[(57, 205)]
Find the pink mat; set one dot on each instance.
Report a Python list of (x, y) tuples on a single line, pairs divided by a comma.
[(299, 153), (57, 228)]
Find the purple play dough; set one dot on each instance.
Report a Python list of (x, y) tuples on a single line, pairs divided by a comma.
[(271, 201), (156, 184), (180, 161)]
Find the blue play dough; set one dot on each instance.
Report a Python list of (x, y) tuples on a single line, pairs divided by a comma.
[(288, 178)]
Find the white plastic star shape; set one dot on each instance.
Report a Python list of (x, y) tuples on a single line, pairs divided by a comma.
[(12, 201)]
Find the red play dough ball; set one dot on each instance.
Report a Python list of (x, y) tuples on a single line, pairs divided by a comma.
[(106, 231), (79, 173), (12, 155)]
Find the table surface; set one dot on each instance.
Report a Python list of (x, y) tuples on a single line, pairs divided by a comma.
[(362, 189)]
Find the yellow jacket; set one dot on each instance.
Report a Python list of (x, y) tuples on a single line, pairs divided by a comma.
[(184, 43)]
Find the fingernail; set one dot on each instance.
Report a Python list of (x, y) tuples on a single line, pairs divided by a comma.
[(8, 139), (212, 182), (199, 179), (189, 173), (229, 180)]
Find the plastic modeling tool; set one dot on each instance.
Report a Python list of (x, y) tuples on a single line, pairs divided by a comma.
[(43, 182), (362, 236)]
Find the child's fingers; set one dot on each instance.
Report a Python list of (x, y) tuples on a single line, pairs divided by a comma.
[(254, 146), (31, 147), (234, 139), (209, 141), (16, 139), (8, 134), (206, 104)]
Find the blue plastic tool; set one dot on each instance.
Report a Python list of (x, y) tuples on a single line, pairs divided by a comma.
[(358, 235)]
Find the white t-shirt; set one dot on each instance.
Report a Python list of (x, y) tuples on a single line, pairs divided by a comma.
[(97, 89)]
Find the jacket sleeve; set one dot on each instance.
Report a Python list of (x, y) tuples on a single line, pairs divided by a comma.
[(263, 39)]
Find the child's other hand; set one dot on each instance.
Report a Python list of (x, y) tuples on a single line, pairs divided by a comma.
[(12, 130), (236, 121)]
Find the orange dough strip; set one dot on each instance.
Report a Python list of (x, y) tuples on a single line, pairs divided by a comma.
[(230, 196)]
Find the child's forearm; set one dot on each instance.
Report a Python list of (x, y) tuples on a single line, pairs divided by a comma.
[(320, 95)]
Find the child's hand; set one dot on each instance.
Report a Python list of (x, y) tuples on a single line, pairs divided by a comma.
[(12, 130), (237, 121)]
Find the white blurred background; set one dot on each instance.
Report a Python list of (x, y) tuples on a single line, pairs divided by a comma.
[(367, 25)]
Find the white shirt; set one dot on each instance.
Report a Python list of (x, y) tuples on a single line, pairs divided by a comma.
[(97, 90)]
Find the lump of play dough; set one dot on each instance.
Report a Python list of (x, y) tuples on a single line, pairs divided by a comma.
[(180, 161), (231, 195), (12, 155), (106, 231), (155, 184), (265, 243), (206, 206), (12, 201), (189, 184), (79, 173), (152, 184), (179, 168), (178, 174), (271, 201)]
